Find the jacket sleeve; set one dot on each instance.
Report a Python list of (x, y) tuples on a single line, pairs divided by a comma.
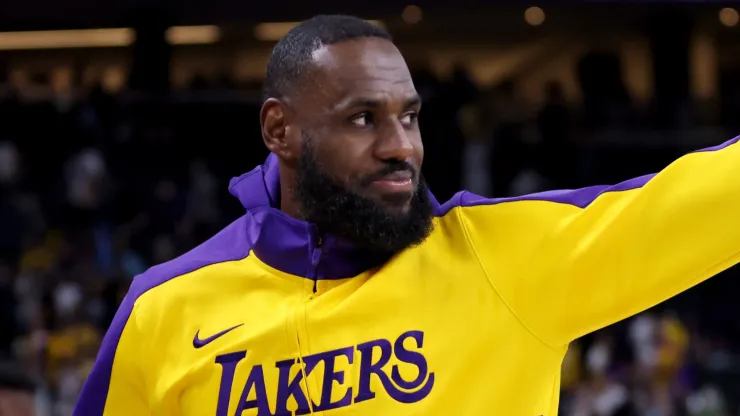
[(570, 262), (115, 385)]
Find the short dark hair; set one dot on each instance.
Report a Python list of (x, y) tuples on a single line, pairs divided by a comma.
[(291, 57)]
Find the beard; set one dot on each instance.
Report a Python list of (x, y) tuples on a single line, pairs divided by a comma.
[(336, 209)]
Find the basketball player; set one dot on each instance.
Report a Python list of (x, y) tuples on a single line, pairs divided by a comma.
[(347, 289)]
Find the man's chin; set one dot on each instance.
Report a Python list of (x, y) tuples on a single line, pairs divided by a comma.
[(395, 208), (395, 202)]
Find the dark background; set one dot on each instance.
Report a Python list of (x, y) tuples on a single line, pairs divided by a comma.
[(116, 158)]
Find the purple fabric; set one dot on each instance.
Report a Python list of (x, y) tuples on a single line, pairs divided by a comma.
[(286, 243), (229, 244), (719, 146), (578, 197)]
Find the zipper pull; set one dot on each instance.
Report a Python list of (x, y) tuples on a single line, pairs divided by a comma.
[(315, 259), (316, 256)]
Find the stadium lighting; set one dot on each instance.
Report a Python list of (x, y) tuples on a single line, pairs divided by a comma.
[(412, 14), (101, 38), (729, 17), (193, 35), (57, 39), (273, 31), (534, 16)]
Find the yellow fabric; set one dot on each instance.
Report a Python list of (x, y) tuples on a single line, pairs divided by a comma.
[(476, 321)]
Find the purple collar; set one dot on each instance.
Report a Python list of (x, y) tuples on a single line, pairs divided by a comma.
[(289, 244)]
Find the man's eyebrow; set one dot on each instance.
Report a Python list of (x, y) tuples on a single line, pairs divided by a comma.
[(372, 103)]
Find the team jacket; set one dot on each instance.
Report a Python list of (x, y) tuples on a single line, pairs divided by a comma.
[(262, 319)]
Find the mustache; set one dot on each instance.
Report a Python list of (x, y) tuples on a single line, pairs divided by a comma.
[(390, 168)]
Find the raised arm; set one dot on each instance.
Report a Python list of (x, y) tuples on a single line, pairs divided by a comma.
[(116, 384), (571, 262)]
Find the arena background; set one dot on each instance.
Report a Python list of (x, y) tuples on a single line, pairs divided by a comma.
[(120, 126)]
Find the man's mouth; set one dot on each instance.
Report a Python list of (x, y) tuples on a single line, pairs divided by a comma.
[(399, 181)]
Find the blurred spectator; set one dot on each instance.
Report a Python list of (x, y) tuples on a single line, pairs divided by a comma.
[(11, 216), (557, 152), (17, 391), (85, 187), (9, 328), (509, 149)]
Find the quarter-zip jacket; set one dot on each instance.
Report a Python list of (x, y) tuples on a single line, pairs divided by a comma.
[(269, 317)]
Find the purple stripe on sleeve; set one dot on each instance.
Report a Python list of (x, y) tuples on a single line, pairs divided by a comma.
[(577, 197), (719, 146), (228, 245)]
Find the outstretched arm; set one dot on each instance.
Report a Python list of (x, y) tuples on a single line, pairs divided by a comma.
[(570, 262)]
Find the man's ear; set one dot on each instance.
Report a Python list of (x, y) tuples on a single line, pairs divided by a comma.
[(275, 118)]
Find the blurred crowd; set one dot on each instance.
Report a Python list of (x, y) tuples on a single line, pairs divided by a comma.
[(653, 365), (95, 188)]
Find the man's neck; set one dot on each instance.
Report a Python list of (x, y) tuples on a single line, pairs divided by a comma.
[(288, 203)]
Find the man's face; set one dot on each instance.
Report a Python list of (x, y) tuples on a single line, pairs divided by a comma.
[(361, 107), (360, 146)]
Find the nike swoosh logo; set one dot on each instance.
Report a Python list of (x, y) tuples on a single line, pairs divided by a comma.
[(200, 343)]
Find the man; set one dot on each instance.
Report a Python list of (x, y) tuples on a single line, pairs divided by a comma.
[(346, 289)]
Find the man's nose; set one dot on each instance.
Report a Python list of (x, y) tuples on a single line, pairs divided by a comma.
[(394, 143)]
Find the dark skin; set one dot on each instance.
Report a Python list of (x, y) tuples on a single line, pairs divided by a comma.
[(360, 106)]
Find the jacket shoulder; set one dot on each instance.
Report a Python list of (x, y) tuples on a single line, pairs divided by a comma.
[(229, 244)]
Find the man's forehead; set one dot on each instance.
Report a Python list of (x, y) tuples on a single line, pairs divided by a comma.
[(358, 52), (370, 68)]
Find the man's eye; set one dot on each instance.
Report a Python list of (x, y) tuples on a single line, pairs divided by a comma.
[(408, 118), (362, 119)]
